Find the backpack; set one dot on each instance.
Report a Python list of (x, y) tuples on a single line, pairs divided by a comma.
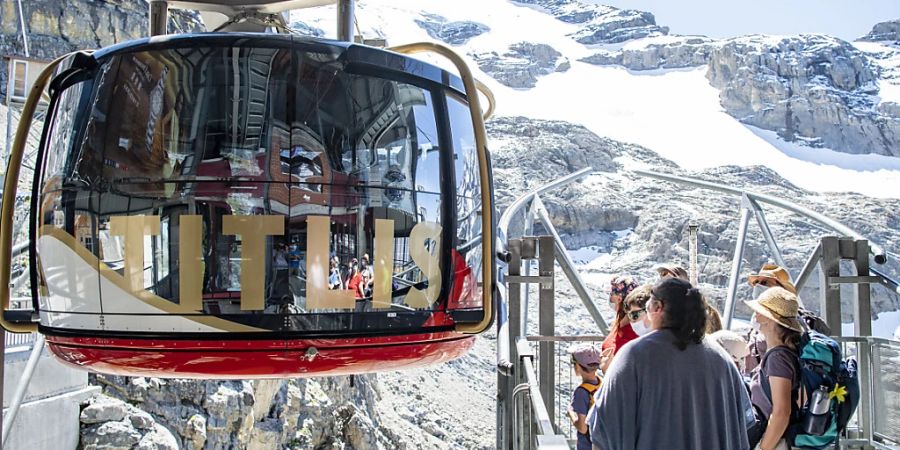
[(591, 390), (829, 388)]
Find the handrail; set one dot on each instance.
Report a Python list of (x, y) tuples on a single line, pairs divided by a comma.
[(520, 202), (876, 250), (503, 344), (7, 213), (487, 223)]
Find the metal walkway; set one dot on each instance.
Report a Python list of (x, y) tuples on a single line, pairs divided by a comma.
[(534, 381)]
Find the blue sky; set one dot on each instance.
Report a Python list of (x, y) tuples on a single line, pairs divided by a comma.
[(846, 19)]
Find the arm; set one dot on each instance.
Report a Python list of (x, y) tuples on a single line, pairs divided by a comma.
[(781, 412), (581, 424)]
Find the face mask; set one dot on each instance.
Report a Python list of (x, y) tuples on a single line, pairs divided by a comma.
[(639, 328)]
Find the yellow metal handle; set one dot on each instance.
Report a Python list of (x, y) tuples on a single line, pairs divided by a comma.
[(472, 87), (10, 186)]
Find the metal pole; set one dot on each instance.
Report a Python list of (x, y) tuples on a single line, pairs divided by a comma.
[(736, 263), (830, 294), (345, 20), (19, 394), (24, 30), (692, 249), (568, 267), (767, 234), (526, 288), (547, 322), (507, 334), (863, 327), (159, 17)]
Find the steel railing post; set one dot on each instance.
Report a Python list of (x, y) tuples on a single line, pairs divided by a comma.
[(830, 294), (514, 330), (526, 288), (736, 262), (693, 269), (863, 327), (547, 321)]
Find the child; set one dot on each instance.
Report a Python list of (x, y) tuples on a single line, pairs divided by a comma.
[(586, 362)]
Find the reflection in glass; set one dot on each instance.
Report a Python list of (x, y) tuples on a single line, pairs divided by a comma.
[(256, 133)]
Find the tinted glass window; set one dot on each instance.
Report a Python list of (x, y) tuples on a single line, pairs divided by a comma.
[(253, 183), (468, 262)]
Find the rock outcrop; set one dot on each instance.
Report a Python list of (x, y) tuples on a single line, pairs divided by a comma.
[(521, 66), (884, 31), (601, 24), (150, 413), (453, 33), (810, 88), (669, 52), (56, 27)]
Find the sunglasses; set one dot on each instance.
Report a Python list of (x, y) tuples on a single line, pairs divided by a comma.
[(767, 282), (636, 314)]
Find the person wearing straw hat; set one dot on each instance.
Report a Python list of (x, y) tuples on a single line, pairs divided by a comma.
[(776, 315), (771, 275)]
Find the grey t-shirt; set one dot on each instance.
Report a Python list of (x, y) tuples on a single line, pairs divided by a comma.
[(658, 397), (777, 362)]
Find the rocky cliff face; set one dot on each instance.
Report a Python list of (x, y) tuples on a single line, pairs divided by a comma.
[(600, 24), (521, 66), (453, 33), (884, 31), (669, 52), (147, 413), (56, 27), (811, 88)]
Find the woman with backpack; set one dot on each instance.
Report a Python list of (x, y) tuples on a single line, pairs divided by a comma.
[(775, 386)]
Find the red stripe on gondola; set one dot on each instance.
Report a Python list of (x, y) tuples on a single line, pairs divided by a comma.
[(235, 359)]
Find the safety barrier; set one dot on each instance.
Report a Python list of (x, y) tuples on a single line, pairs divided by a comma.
[(882, 407)]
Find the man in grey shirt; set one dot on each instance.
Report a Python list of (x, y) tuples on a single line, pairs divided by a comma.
[(657, 395)]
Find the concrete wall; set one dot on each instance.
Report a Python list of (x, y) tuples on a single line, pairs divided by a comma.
[(48, 417)]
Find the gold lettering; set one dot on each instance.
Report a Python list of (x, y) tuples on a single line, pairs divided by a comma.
[(425, 250), (384, 264), (253, 231), (318, 296), (190, 262), (134, 228)]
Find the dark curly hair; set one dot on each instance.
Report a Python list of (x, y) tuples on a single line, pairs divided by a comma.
[(684, 310)]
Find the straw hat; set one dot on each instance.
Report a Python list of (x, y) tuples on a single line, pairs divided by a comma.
[(780, 305), (773, 272), (674, 269)]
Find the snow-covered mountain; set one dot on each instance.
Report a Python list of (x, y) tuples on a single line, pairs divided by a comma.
[(660, 94)]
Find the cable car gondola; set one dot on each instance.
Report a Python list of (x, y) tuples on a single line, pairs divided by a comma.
[(200, 200)]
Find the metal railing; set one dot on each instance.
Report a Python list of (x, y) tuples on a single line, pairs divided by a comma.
[(536, 366), (880, 405)]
